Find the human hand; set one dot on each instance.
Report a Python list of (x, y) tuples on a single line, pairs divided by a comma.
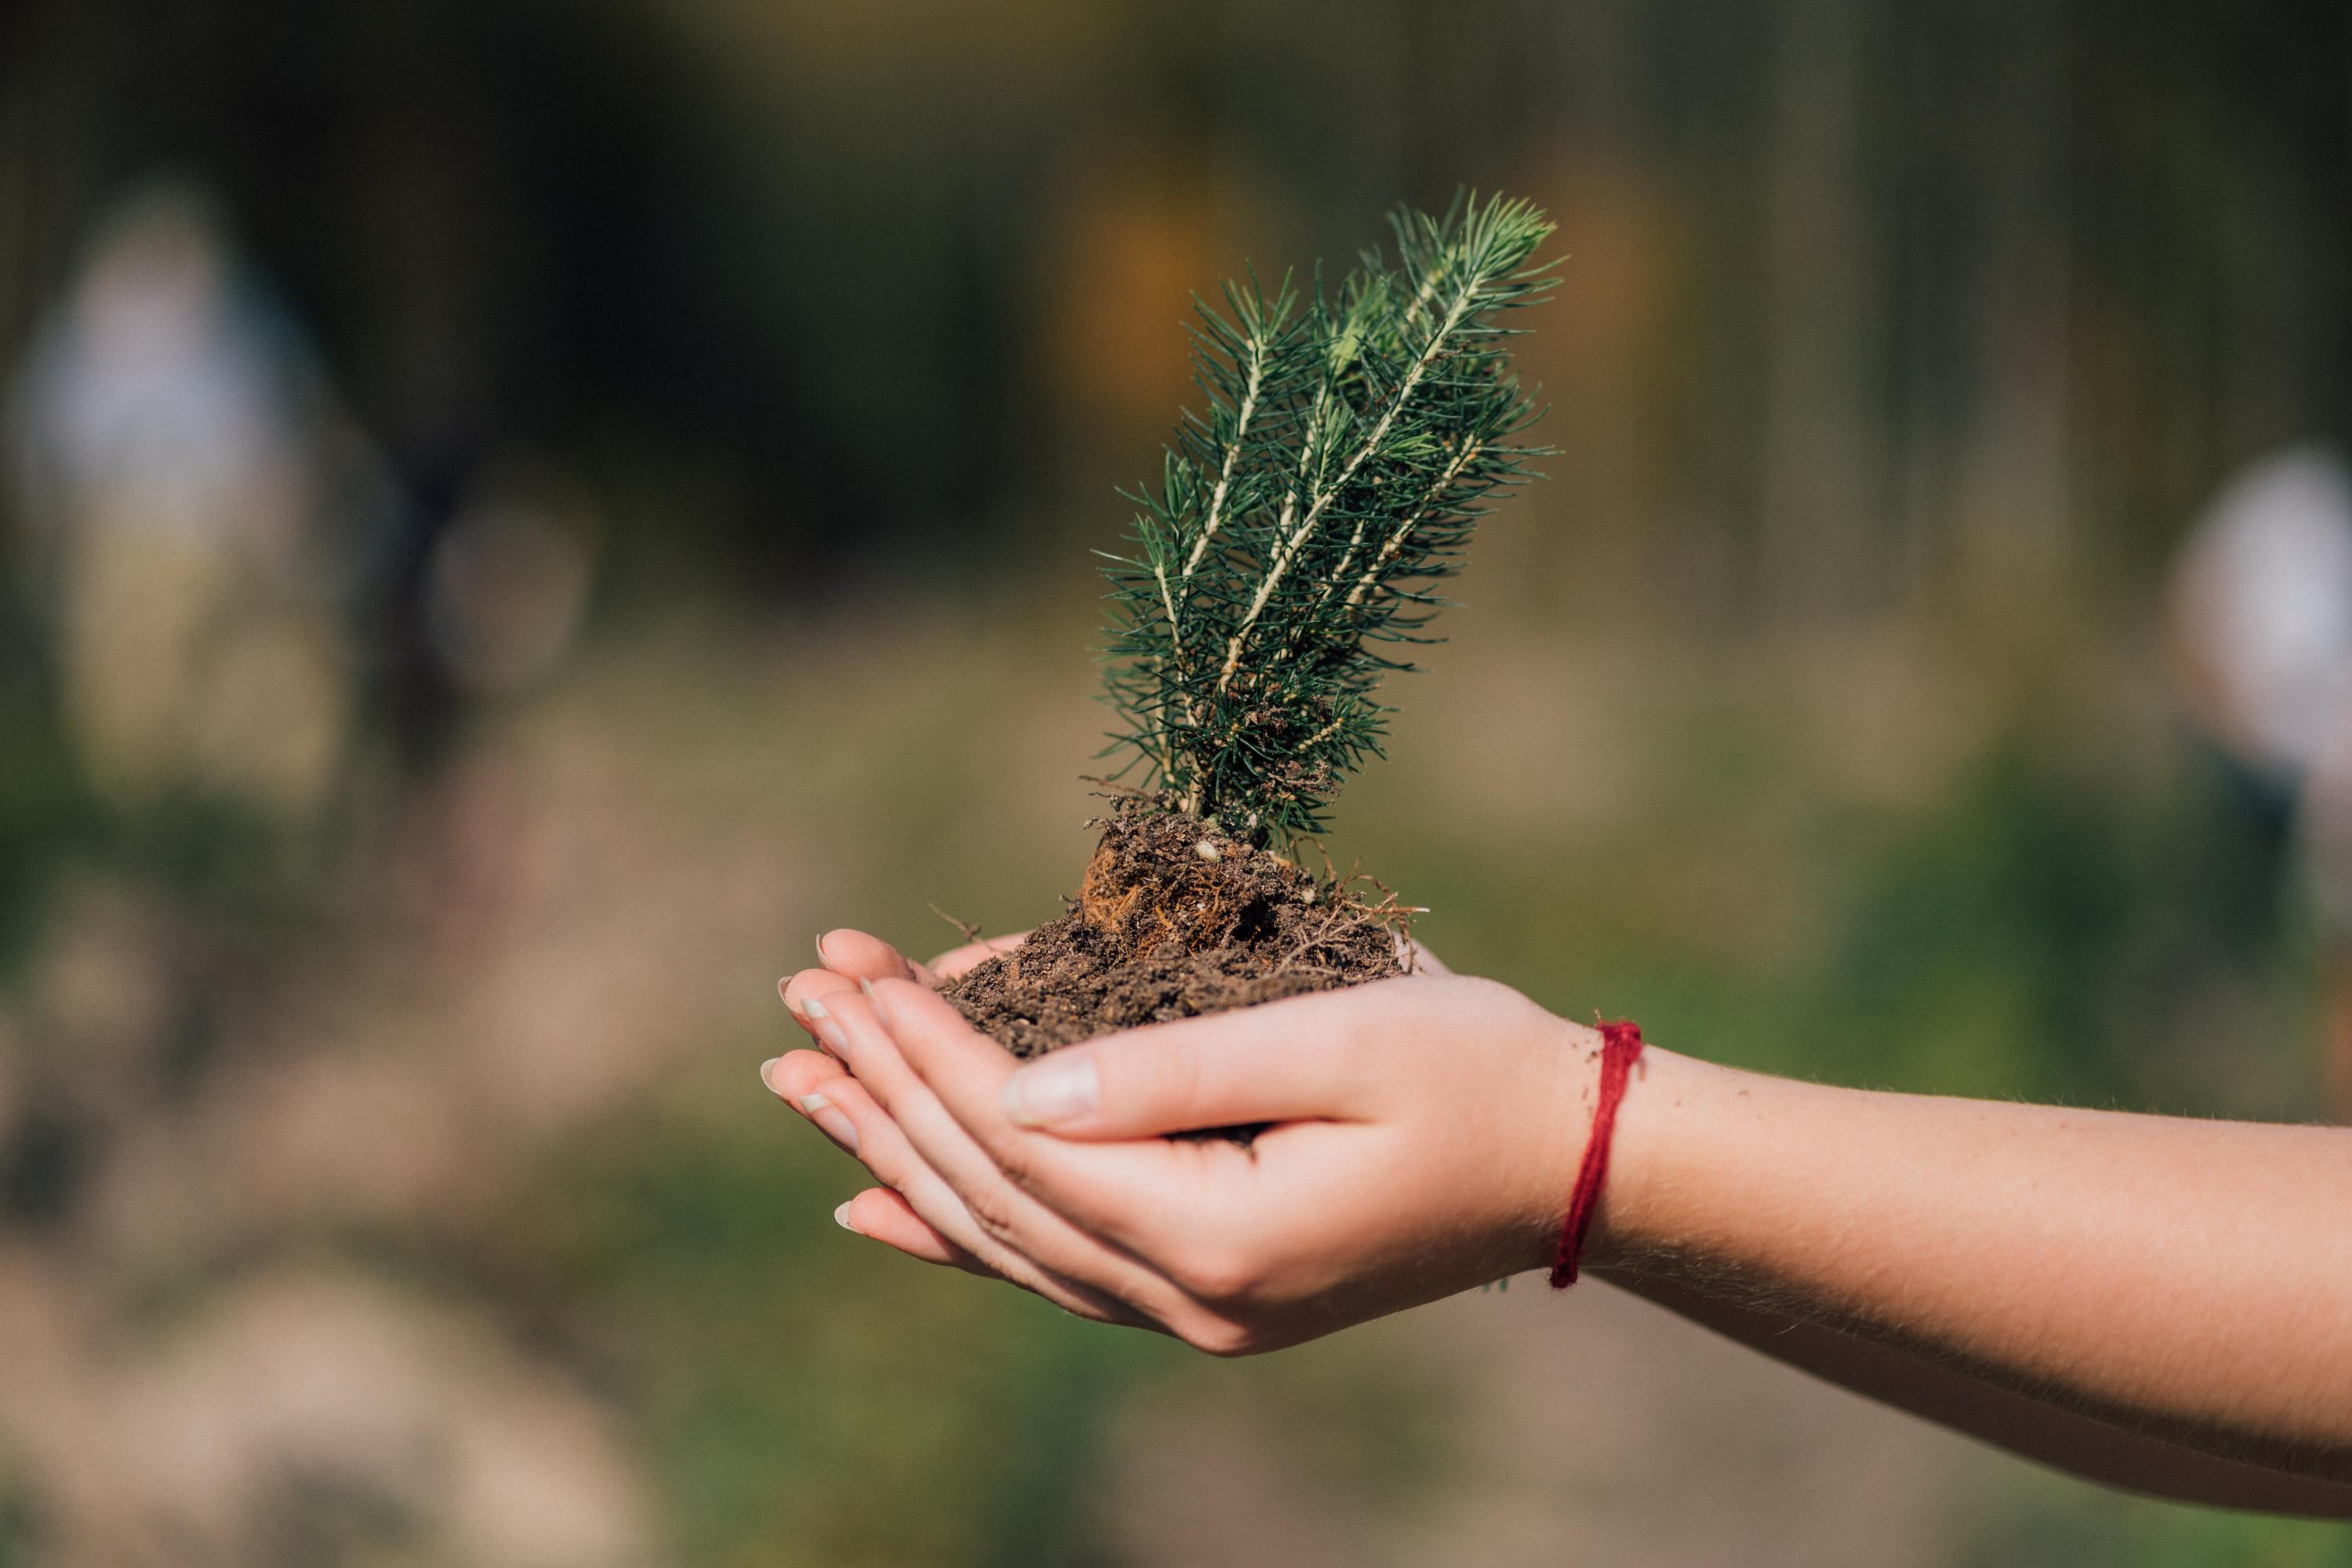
[(1426, 1135), (1423, 1133)]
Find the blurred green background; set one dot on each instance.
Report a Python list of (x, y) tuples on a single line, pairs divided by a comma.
[(518, 514)]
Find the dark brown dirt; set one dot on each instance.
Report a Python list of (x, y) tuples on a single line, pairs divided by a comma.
[(1173, 920)]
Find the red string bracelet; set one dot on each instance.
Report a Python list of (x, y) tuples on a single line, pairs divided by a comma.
[(1620, 1045)]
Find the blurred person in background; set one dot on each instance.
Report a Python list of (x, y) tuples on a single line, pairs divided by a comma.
[(208, 541), (202, 507), (480, 616), (2262, 629)]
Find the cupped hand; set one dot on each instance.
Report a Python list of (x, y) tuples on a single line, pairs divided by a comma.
[(1425, 1132)]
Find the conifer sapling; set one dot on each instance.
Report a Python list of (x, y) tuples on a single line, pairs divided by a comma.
[(1287, 561)]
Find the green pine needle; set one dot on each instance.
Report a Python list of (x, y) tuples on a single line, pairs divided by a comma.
[(1303, 521)]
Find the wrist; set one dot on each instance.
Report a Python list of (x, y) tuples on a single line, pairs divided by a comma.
[(1655, 1207), (1553, 1124), (1632, 1101)]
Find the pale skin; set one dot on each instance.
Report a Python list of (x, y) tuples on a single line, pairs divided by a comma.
[(2157, 1303)]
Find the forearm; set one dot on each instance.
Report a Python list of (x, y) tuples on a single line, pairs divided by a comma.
[(2082, 1445), (2188, 1280)]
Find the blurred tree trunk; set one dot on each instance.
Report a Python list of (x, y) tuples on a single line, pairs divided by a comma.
[(1820, 492), (2013, 502)]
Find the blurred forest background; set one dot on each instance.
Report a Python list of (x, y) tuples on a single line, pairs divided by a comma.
[(518, 514)]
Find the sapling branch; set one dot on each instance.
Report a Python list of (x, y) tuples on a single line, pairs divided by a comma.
[(1309, 510)]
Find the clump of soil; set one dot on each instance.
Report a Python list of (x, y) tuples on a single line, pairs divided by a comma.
[(1173, 919)]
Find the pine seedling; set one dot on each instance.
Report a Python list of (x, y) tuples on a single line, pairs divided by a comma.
[(1288, 559), (1291, 553)]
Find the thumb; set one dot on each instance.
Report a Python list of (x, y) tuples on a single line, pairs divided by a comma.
[(1280, 1061)]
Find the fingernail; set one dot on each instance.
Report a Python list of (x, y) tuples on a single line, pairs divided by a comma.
[(1059, 1088), (841, 1218), (830, 1118), (827, 1026), (820, 958), (766, 1068)]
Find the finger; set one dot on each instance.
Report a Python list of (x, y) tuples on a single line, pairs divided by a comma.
[(1010, 1217), (953, 963), (849, 1114), (858, 956), (838, 1105), (841, 1107), (883, 1216), (1279, 1061), (799, 990), (815, 1084), (1150, 1197)]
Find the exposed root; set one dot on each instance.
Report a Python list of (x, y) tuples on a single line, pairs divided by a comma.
[(971, 931)]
